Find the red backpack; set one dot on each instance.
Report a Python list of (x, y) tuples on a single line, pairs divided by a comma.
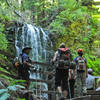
[(63, 58)]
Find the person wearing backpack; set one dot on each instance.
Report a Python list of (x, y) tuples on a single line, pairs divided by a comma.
[(23, 63), (62, 59), (81, 73)]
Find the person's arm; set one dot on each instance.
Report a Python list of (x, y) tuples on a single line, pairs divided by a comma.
[(25, 59), (86, 68), (28, 64), (74, 73), (16, 64), (75, 70), (55, 57), (86, 71), (31, 61), (94, 83), (69, 74)]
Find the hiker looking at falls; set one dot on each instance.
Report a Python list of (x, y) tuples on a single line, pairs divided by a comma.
[(24, 65)]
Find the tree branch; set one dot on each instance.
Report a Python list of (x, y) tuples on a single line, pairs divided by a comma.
[(16, 12)]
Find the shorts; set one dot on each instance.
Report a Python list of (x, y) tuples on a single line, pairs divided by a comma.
[(61, 78), (23, 73)]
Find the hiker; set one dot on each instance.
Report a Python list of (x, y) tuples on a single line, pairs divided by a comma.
[(90, 80), (98, 85), (62, 59), (72, 78), (81, 73), (24, 64)]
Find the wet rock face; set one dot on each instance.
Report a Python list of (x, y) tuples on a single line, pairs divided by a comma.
[(20, 28), (11, 30)]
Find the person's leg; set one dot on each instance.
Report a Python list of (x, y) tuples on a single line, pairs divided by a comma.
[(58, 80), (65, 83), (26, 77), (72, 83), (84, 89), (78, 83), (65, 93), (27, 84), (20, 72)]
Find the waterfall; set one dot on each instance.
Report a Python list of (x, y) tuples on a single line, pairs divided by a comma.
[(38, 40)]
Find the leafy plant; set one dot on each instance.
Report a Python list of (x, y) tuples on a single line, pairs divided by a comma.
[(3, 41), (9, 91)]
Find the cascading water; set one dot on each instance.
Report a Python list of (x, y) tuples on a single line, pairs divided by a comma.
[(40, 43)]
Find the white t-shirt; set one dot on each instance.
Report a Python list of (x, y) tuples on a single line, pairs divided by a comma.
[(90, 82), (98, 89)]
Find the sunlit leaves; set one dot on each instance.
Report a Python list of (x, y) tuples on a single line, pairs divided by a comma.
[(3, 42)]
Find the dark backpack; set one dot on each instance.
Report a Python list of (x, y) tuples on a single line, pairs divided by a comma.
[(81, 63), (18, 60), (64, 57)]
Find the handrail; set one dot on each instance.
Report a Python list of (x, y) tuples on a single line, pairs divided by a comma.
[(43, 91), (39, 80), (44, 72)]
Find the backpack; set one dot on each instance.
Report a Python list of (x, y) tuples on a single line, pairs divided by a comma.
[(18, 60), (81, 62), (63, 58)]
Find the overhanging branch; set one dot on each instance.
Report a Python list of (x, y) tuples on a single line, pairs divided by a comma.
[(16, 12)]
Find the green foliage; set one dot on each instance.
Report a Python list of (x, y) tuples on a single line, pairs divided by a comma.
[(6, 13), (17, 82), (94, 63), (5, 96), (78, 29), (21, 99), (3, 42)]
